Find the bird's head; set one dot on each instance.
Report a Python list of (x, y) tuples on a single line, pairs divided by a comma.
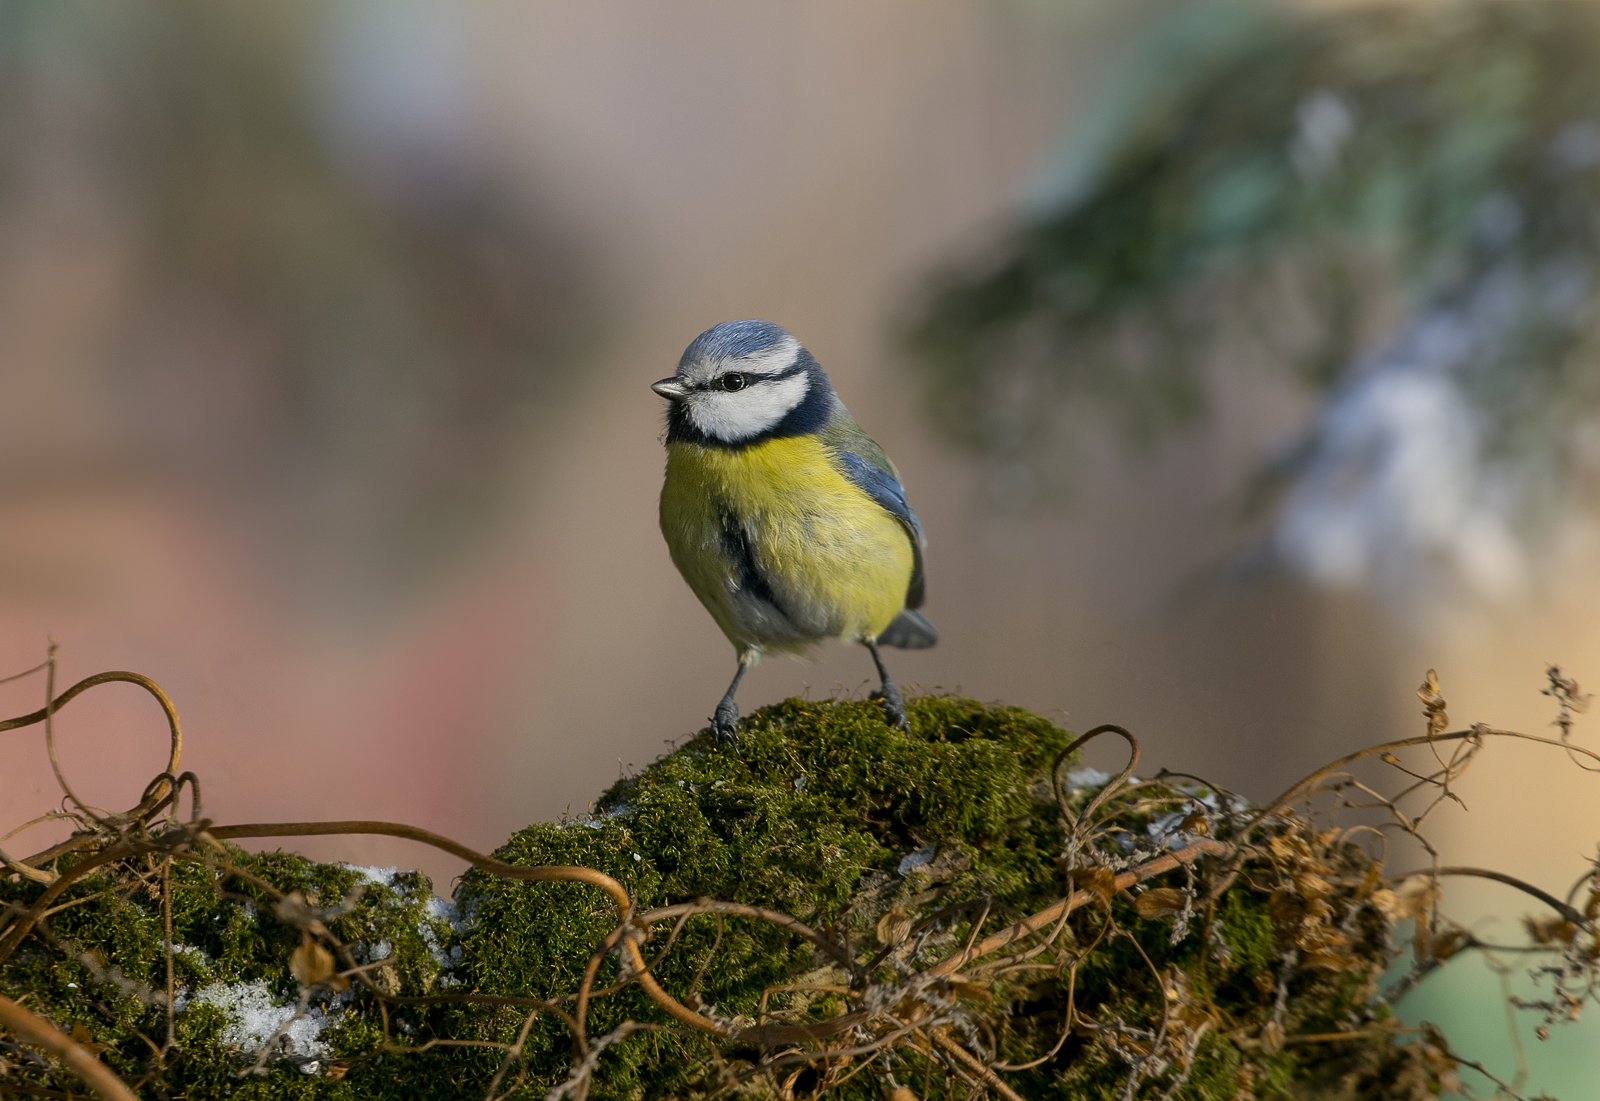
[(744, 380)]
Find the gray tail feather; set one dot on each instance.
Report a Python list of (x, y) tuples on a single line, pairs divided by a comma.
[(909, 631)]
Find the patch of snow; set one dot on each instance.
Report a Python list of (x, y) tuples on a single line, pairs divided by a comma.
[(378, 877), (1080, 778), (195, 956), (459, 918), (918, 858), (1164, 831), (255, 1015), (598, 820)]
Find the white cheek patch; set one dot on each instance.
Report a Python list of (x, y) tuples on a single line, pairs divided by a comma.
[(731, 417)]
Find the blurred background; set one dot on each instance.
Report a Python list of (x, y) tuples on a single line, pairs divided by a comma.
[(1239, 359)]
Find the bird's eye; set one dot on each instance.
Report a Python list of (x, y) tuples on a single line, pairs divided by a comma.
[(731, 381)]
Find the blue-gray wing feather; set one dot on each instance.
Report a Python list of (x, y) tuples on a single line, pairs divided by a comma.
[(885, 489)]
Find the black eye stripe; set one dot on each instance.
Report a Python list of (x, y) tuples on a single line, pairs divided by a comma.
[(747, 379)]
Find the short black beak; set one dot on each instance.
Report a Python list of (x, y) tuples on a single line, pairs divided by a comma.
[(671, 389)]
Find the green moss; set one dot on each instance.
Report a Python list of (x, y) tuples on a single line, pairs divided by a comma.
[(101, 964), (813, 816)]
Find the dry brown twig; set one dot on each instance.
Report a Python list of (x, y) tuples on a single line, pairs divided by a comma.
[(920, 1011), (33, 1029)]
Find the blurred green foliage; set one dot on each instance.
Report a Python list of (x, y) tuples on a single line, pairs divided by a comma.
[(1288, 197)]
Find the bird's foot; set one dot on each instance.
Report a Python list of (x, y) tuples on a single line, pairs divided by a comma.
[(725, 723), (889, 696)]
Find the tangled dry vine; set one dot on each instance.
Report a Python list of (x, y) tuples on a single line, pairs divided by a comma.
[(914, 992)]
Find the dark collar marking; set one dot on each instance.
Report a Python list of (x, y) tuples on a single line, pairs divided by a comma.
[(807, 418)]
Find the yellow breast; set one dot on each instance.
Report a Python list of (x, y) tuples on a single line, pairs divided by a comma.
[(836, 562)]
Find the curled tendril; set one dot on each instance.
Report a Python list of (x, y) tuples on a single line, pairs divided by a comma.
[(919, 1012)]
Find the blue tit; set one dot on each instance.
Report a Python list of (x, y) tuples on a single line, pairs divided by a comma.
[(785, 518)]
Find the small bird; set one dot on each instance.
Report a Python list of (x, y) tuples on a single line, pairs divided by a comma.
[(785, 518)]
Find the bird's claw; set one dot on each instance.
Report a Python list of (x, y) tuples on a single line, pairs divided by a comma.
[(889, 696), (725, 723)]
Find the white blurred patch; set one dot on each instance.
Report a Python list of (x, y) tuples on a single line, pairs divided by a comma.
[(1497, 219), (1324, 124), (394, 94), (1399, 494), (1577, 146)]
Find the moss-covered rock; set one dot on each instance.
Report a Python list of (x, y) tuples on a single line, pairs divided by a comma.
[(904, 846)]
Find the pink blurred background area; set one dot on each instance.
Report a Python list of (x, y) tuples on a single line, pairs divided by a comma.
[(325, 342), (186, 492)]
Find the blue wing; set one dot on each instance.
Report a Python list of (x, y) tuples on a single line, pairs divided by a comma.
[(885, 489)]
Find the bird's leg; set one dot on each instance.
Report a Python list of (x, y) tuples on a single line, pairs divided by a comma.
[(889, 694), (725, 721)]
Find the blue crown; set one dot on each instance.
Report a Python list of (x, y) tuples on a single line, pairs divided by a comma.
[(733, 340)]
